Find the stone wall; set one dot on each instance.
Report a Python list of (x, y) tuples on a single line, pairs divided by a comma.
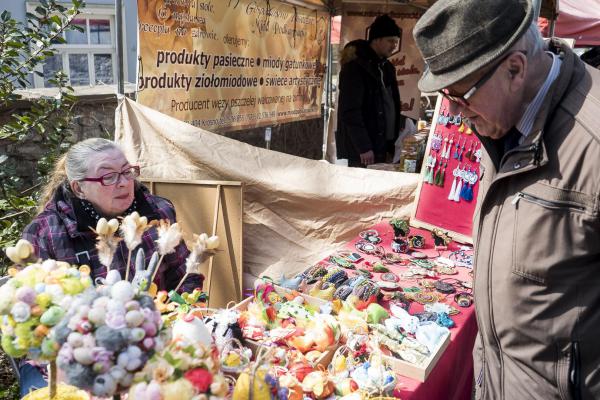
[(95, 117)]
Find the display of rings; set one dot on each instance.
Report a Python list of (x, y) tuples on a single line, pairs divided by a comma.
[(399, 246), (416, 241)]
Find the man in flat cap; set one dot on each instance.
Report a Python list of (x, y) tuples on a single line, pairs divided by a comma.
[(369, 119), (536, 108)]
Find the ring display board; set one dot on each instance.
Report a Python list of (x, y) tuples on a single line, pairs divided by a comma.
[(447, 191), (213, 207)]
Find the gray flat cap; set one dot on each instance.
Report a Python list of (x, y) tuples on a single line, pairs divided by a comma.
[(458, 37)]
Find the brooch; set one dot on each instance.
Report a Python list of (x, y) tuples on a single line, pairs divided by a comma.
[(416, 241)]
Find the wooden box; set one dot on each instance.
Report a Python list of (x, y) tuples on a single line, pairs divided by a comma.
[(254, 345), (415, 371)]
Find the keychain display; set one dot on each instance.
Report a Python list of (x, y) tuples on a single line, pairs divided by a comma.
[(450, 176)]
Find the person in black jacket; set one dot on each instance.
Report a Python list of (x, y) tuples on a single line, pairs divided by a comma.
[(369, 117)]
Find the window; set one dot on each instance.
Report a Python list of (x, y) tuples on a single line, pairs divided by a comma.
[(89, 56)]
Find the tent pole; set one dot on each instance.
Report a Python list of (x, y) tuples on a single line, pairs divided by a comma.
[(327, 109), (119, 28)]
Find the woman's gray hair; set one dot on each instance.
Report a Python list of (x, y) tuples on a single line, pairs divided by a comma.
[(73, 166), (80, 154)]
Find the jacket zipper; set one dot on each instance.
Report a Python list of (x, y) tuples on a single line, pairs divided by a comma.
[(574, 372), (481, 376), (545, 203)]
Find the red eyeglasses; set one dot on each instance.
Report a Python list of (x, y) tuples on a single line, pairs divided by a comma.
[(113, 177)]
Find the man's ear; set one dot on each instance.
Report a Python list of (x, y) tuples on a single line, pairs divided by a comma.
[(76, 188), (517, 68)]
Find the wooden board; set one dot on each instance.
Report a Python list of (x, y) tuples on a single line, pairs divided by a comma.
[(215, 208)]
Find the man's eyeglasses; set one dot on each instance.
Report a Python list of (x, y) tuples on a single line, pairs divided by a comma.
[(463, 100), (113, 177)]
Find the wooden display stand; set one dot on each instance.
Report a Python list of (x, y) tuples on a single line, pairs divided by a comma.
[(433, 209), (213, 207)]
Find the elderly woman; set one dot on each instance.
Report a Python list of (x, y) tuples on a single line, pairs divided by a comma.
[(94, 180)]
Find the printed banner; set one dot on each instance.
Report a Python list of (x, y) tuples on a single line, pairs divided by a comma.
[(408, 61), (230, 64)]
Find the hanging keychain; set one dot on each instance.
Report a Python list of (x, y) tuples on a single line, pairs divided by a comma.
[(473, 156), (464, 193), (462, 150), (442, 117), (455, 180), (436, 141), (457, 147), (458, 120), (445, 145), (471, 178), (469, 152), (459, 185), (441, 175), (478, 154), (431, 161), (447, 155)]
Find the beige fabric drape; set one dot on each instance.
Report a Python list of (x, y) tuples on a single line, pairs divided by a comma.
[(296, 211)]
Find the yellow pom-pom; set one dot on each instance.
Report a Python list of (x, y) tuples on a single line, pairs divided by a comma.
[(233, 360), (63, 392), (85, 269)]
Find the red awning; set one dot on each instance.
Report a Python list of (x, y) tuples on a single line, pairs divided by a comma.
[(577, 19)]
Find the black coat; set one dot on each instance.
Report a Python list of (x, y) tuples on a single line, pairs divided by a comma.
[(361, 121)]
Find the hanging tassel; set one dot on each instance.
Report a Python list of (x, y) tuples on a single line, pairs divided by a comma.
[(462, 127), (473, 156), (447, 155), (468, 193), (436, 180), (469, 152), (426, 176), (442, 176), (464, 190), (457, 191), (452, 189), (457, 147), (445, 145)]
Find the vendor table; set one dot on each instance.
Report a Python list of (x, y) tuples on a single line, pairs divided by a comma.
[(452, 376)]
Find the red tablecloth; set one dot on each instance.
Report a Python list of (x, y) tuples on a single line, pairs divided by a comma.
[(452, 377)]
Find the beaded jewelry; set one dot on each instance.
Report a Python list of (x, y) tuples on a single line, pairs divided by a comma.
[(371, 236)]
